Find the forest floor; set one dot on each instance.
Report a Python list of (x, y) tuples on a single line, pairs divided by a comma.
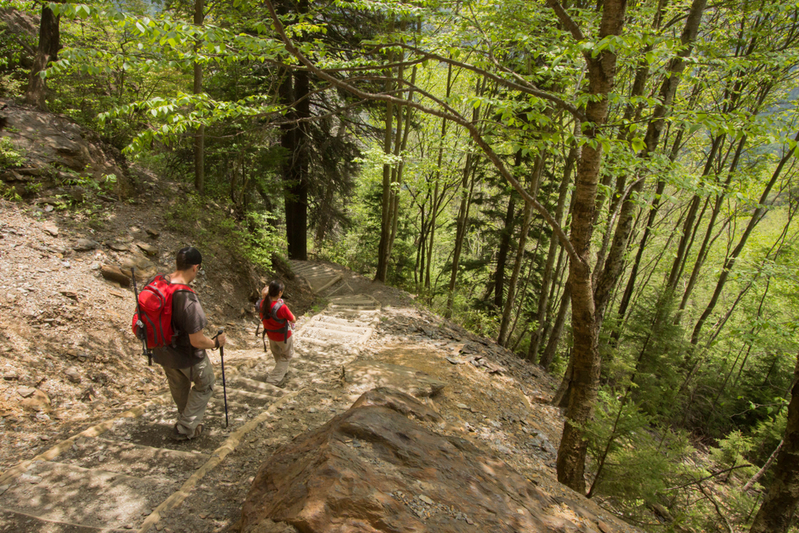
[(69, 361)]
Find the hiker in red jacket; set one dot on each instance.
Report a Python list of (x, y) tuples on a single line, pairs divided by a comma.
[(278, 323)]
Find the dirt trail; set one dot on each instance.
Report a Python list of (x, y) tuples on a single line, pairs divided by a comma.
[(129, 475)]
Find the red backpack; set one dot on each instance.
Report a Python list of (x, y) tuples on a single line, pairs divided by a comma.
[(155, 305), (265, 315)]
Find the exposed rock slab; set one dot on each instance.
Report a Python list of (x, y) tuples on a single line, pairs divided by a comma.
[(374, 469), (367, 375)]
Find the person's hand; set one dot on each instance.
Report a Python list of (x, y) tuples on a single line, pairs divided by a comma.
[(265, 292), (221, 338)]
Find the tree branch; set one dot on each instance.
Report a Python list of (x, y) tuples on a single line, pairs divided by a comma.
[(523, 85), (451, 116), (566, 20)]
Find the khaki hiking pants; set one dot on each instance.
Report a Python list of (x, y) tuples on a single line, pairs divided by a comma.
[(282, 352), (191, 401)]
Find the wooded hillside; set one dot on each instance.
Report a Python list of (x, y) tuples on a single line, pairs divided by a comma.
[(608, 189)]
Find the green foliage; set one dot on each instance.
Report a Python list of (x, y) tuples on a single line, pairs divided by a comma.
[(253, 239), (731, 450), (10, 156), (638, 462)]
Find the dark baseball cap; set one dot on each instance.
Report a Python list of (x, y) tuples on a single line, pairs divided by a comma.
[(187, 257)]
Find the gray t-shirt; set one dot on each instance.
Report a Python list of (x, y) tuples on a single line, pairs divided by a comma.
[(187, 317)]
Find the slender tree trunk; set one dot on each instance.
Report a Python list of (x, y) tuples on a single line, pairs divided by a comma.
[(199, 135), (730, 262), (395, 198), (514, 278), (467, 187), (759, 474), (502, 254), (49, 44), (557, 330), (615, 261), (386, 222), (554, 245)]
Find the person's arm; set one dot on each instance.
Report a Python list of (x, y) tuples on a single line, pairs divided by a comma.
[(200, 341), (286, 313)]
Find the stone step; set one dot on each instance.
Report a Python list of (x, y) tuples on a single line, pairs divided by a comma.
[(338, 325), (337, 337), (257, 386), (17, 522), (132, 459), (250, 398), (156, 427), (85, 497), (326, 319)]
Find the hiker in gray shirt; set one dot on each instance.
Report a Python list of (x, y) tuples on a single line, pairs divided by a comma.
[(185, 362)]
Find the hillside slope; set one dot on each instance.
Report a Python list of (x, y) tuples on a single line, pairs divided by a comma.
[(69, 362)]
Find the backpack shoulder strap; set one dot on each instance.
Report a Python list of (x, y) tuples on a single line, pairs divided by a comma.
[(275, 309)]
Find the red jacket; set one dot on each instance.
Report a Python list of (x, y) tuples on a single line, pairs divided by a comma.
[(270, 324)]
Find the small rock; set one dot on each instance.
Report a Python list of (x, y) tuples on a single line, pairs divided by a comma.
[(147, 248), (312, 410), (85, 245), (4, 488), (462, 406), (25, 392), (28, 478), (38, 401), (51, 229), (152, 233), (426, 500), (70, 294), (10, 375), (73, 374), (119, 246), (604, 527)]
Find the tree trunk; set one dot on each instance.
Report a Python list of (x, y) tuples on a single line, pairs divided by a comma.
[(615, 261), (502, 254), (199, 136), (601, 78), (386, 222), (547, 278), (557, 329), (730, 262), (782, 498), (49, 44), (503, 329)]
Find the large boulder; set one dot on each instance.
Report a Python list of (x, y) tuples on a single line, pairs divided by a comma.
[(378, 468)]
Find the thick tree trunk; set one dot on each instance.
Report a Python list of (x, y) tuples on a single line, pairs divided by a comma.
[(294, 92), (296, 174), (49, 44), (601, 77), (782, 498)]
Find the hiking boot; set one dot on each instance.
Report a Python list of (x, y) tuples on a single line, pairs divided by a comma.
[(178, 436)]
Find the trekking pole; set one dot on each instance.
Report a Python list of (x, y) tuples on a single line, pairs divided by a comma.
[(140, 322), (224, 387)]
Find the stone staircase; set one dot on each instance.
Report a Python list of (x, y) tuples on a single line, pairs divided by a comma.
[(127, 473)]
